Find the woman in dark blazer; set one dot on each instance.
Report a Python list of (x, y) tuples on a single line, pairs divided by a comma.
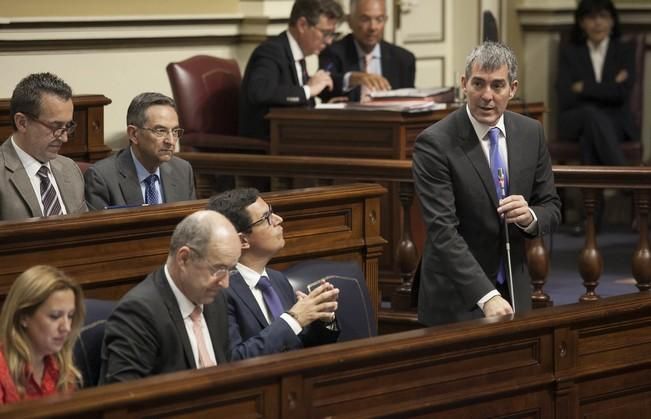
[(596, 73)]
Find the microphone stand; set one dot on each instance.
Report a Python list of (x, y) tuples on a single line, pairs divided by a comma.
[(509, 271)]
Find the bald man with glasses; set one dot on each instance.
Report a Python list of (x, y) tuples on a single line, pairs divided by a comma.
[(362, 61), (35, 181), (265, 316), (146, 172), (276, 74)]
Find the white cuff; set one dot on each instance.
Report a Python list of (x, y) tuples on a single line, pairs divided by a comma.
[(292, 322), (487, 297)]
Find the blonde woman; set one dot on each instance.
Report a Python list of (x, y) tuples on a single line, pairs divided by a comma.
[(39, 324)]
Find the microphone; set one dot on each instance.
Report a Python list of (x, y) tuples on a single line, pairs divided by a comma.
[(509, 272)]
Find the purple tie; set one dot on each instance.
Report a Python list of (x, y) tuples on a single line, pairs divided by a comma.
[(270, 297), (498, 167)]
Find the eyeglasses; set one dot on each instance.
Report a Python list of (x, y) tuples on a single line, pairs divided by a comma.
[(57, 131), (365, 20), (215, 271), (265, 217), (161, 133), (327, 34)]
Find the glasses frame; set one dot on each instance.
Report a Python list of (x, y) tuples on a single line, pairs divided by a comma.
[(214, 272), (177, 133), (379, 20), (69, 128), (266, 216), (326, 34)]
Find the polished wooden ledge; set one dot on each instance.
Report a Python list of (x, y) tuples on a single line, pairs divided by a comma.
[(581, 360)]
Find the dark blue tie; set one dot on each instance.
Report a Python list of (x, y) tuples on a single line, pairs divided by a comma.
[(151, 193), (270, 297), (498, 167)]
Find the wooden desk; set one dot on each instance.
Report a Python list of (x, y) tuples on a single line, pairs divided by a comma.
[(579, 361), (364, 134), (87, 143), (110, 251)]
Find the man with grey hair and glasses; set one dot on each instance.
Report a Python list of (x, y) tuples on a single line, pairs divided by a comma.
[(477, 172), (35, 180), (175, 319), (146, 172)]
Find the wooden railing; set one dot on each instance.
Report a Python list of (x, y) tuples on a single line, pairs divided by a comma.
[(574, 361), (589, 179)]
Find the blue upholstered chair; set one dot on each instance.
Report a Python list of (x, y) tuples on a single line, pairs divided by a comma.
[(355, 313), (87, 351)]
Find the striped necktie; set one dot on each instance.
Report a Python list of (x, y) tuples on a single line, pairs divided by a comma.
[(51, 204)]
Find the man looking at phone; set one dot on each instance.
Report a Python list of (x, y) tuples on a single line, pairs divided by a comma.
[(265, 316)]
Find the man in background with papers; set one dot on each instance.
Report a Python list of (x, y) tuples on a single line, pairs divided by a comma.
[(362, 62)]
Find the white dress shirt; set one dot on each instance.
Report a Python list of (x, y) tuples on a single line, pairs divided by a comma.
[(598, 56), (186, 306), (297, 54)]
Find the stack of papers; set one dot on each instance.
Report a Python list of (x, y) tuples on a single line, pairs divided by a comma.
[(434, 94)]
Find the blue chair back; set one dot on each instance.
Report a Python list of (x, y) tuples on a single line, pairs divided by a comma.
[(88, 348), (355, 313)]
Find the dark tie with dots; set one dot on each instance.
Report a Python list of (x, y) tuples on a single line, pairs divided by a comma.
[(151, 193), (304, 75), (270, 297), (51, 204)]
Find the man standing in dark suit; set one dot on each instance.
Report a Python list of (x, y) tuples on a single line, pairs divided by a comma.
[(176, 318), (35, 180), (146, 172), (362, 62), (457, 164), (276, 74), (264, 315)]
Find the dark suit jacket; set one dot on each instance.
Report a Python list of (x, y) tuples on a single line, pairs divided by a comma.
[(465, 237), (398, 66), (249, 333), (270, 79), (114, 181), (145, 335), (611, 98), (17, 197)]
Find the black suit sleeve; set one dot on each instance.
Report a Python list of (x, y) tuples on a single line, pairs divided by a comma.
[(266, 79), (130, 343)]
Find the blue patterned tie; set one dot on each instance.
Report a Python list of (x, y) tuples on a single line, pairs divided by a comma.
[(270, 297), (497, 162), (497, 165), (151, 193)]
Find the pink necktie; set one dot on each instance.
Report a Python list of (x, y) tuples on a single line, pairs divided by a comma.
[(365, 91), (204, 358)]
